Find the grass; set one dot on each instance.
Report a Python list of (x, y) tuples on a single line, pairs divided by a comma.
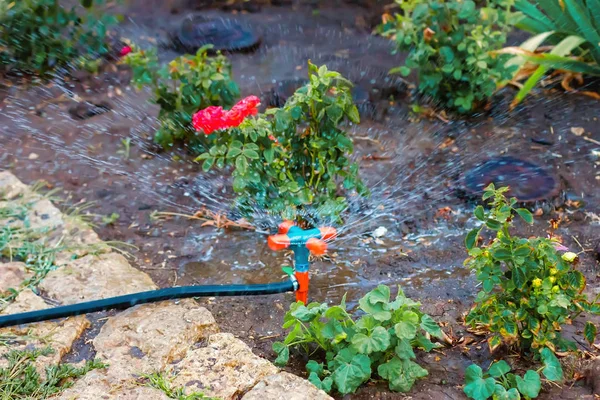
[(159, 381), (21, 380), (19, 241)]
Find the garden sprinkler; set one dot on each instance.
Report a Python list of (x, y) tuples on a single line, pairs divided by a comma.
[(301, 242)]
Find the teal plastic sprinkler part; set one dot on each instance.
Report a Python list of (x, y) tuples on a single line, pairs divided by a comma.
[(302, 242)]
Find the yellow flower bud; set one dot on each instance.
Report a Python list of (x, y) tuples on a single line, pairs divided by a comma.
[(553, 271), (569, 256), (555, 289), (537, 282), (552, 279)]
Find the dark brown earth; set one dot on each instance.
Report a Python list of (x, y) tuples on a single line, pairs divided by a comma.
[(422, 160)]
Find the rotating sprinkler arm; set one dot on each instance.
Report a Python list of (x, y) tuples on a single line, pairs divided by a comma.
[(301, 242)]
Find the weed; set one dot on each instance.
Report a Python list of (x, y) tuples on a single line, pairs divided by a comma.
[(21, 380), (160, 381)]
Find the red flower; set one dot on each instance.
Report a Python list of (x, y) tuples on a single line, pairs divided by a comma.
[(209, 120), (214, 118), (124, 51)]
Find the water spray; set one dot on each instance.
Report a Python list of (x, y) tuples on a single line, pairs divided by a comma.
[(300, 241)]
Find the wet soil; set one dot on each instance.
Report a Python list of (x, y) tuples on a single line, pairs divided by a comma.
[(415, 166)]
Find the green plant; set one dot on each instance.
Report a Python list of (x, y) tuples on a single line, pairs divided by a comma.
[(297, 155), (39, 35), (381, 340), (186, 85), (21, 380), (126, 150), (571, 26), (449, 45), (500, 384), (110, 219), (529, 289), (158, 381)]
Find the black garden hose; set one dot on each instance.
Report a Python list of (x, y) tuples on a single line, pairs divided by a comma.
[(130, 300)]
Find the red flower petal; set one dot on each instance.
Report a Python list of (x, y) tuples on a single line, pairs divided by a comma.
[(124, 51)]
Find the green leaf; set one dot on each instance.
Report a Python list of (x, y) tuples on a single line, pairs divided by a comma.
[(502, 254), (251, 154), (324, 384), (525, 214), (313, 366), (471, 239), (233, 152), (283, 353), (335, 113), (493, 224), (518, 277), (590, 332), (479, 213), (423, 343), (353, 114), (376, 302), (307, 314), (269, 155), (476, 387), (502, 394), (350, 370), (522, 251), (431, 327), (377, 340), (499, 368), (401, 374), (405, 330), (552, 368), (404, 350), (241, 163), (530, 384), (467, 9), (207, 164)]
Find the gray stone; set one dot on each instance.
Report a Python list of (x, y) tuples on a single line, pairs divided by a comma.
[(285, 386), (95, 277), (225, 368)]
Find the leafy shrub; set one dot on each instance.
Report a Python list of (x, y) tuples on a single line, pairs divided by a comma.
[(40, 35), (572, 26), (501, 384), (449, 45), (186, 85), (529, 289), (296, 155), (381, 340)]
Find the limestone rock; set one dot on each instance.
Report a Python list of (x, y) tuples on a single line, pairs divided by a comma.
[(12, 274), (10, 186), (285, 386), (225, 368), (95, 277), (58, 335), (147, 338), (95, 386)]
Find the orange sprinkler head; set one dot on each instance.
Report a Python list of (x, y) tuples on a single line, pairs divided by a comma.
[(285, 226), (327, 232), (316, 246), (278, 242)]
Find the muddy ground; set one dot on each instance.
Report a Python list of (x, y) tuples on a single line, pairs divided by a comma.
[(422, 162)]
